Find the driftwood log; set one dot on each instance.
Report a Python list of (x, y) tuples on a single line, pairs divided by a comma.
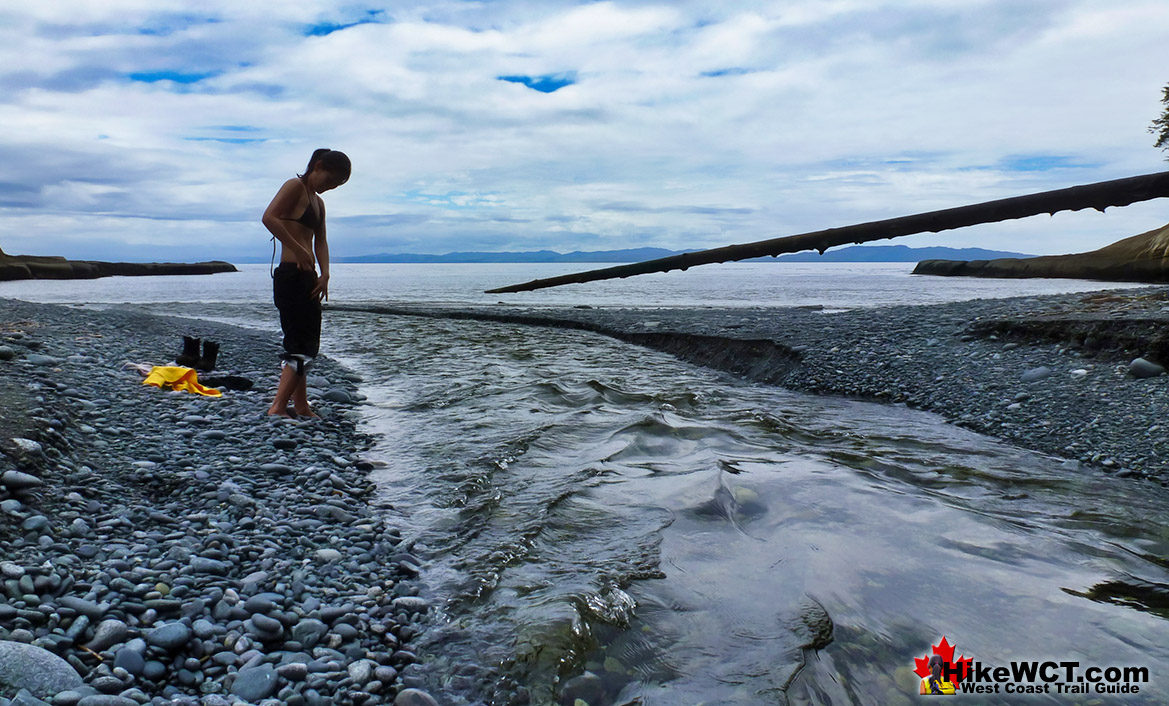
[(1101, 195)]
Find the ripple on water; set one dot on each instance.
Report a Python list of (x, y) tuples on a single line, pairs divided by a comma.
[(688, 538)]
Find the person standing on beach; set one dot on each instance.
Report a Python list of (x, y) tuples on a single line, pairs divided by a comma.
[(296, 217)]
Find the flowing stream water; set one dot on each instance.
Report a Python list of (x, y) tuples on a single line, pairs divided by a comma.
[(691, 538)]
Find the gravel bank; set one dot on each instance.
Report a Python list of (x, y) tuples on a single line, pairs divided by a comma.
[(1048, 373), (160, 547)]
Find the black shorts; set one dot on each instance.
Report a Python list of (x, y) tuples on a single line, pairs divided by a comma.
[(300, 312)]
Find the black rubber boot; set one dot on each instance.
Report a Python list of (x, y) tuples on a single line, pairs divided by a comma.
[(190, 355), (210, 354)]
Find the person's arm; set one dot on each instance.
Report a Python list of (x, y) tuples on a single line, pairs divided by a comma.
[(321, 247), (276, 213)]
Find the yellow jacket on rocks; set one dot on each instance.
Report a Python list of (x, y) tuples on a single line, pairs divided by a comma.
[(177, 378)]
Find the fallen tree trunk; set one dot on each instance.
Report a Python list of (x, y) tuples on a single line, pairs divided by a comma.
[(1101, 195)]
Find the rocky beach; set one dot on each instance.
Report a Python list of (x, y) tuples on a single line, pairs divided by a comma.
[(165, 548), (161, 547)]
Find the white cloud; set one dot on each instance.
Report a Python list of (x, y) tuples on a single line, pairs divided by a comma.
[(688, 125)]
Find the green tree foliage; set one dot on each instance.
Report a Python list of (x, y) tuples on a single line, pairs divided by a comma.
[(1160, 126)]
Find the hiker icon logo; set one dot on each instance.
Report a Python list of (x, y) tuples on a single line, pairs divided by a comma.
[(940, 673)]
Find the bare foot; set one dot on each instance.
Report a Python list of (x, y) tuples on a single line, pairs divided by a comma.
[(274, 412), (307, 413)]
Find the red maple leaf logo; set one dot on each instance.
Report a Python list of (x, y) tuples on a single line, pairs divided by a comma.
[(946, 651)]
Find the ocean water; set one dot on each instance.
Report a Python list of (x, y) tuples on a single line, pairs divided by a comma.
[(685, 537), (830, 285)]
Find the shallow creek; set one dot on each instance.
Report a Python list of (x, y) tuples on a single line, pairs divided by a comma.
[(691, 538)]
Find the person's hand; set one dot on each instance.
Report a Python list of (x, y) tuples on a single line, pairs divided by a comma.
[(321, 291), (304, 260)]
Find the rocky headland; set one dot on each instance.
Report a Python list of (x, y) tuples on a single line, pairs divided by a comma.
[(1140, 258), (17, 267), (164, 548)]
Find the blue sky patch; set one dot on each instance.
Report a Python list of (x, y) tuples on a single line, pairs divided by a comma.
[(176, 76), (731, 71), (1043, 163), (322, 29), (228, 140), (455, 200), (638, 207), (548, 83)]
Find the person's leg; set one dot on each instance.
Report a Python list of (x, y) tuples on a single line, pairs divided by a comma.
[(283, 291), (310, 330), (289, 381), (300, 319), (300, 398)]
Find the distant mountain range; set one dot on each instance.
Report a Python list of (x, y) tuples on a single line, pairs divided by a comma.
[(630, 255), (855, 253)]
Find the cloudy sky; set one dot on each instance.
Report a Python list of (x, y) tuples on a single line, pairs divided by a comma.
[(143, 129)]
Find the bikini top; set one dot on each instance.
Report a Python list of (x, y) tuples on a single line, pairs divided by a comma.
[(310, 216)]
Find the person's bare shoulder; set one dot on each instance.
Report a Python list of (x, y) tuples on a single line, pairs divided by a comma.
[(292, 193)]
